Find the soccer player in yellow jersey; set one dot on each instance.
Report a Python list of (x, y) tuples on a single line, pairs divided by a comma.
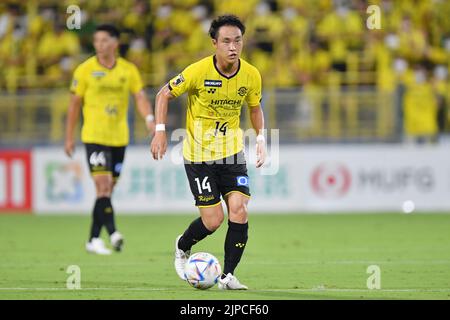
[(217, 88), (102, 85)]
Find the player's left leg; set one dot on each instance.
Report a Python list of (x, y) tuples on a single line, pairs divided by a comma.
[(234, 187), (236, 238), (116, 238)]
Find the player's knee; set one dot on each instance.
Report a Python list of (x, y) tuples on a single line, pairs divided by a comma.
[(103, 187), (103, 192), (238, 212), (213, 223)]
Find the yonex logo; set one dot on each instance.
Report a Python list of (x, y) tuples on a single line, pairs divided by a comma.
[(211, 90), (240, 245), (242, 181)]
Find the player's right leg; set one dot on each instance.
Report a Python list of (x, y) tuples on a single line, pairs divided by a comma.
[(207, 199), (210, 220), (103, 185), (99, 159)]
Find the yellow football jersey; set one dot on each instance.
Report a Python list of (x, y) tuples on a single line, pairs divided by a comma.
[(420, 109), (105, 95), (214, 106)]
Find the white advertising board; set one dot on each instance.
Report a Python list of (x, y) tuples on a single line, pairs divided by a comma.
[(303, 179)]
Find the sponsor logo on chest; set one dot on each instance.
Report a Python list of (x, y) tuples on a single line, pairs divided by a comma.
[(98, 74), (213, 83)]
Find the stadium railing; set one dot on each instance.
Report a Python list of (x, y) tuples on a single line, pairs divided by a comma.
[(310, 114)]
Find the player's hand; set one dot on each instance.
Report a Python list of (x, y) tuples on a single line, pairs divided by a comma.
[(69, 147), (159, 145), (260, 152)]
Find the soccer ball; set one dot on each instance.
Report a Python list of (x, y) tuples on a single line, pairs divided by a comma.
[(202, 270)]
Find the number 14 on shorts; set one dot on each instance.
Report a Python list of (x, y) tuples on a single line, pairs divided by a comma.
[(205, 185)]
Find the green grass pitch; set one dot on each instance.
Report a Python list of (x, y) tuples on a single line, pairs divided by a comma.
[(288, 256)]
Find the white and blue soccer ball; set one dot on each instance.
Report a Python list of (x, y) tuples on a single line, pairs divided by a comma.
[(202, 270)]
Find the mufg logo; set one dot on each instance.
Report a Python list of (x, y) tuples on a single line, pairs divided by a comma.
[(331, 180)]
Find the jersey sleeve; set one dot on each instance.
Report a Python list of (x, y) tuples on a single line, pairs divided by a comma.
[(78, 85), (254, 95), (183, 82), (136, 83)]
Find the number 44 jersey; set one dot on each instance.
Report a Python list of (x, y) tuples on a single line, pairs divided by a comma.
[(105, 94), (214, 107)]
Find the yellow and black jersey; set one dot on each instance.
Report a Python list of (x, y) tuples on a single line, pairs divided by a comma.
[(105, 95), (214, 106)]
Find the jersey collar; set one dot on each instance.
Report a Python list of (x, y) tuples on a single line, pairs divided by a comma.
[(113, 66), (228, 77)]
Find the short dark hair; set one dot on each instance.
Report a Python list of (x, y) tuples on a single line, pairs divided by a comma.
[(110, 29), (225, 20)]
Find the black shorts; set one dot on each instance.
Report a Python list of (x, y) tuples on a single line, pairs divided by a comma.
[(210, 180), (104, 159)]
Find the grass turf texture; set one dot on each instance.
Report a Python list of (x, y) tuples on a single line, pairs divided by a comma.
[(287, 257)]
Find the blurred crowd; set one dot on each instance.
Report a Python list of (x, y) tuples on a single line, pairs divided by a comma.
[(293, 43)]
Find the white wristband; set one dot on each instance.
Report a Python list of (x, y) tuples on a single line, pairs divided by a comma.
[(260, 138), (149, 118), (160, 127)]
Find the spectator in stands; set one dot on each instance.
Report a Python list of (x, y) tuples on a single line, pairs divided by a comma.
[(293, 40), (420, 108), (57, 51)]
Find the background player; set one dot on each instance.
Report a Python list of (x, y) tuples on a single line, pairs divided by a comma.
[(102, 84), (213, 149)]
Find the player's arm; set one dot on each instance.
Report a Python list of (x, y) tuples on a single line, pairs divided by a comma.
[(159, 142), (257, 119), (71, 121), (145, 109)]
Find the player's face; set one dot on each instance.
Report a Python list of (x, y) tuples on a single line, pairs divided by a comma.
[(228, 44), (104, 44)]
